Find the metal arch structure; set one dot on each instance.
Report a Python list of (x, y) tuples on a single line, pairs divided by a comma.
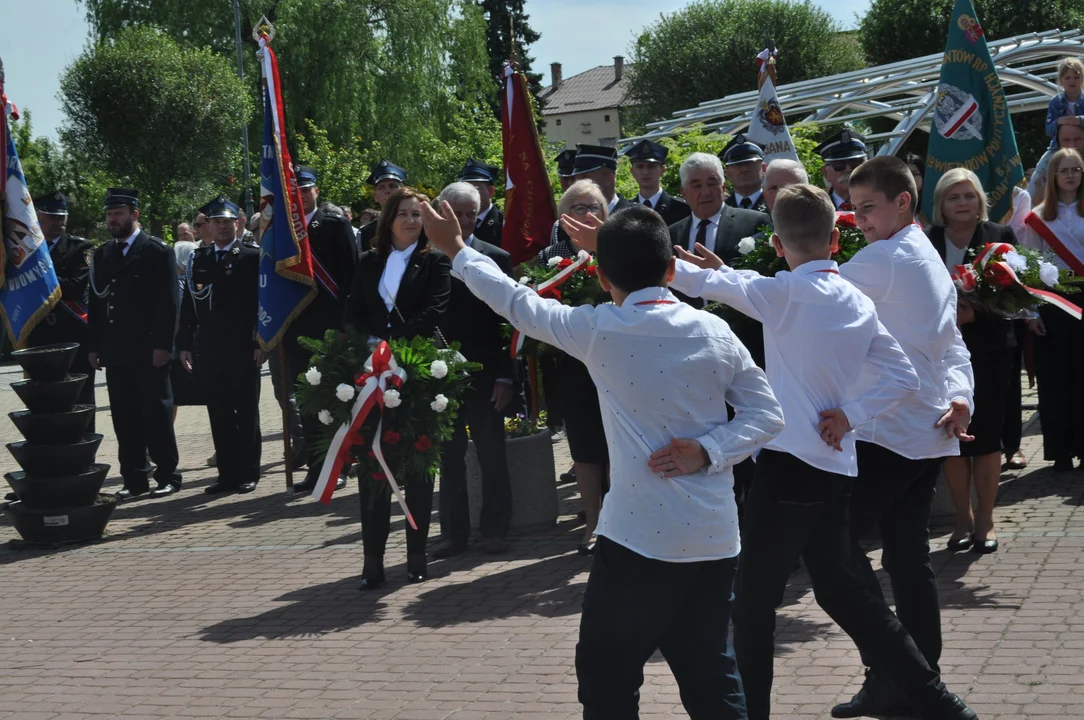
[(904, 91)]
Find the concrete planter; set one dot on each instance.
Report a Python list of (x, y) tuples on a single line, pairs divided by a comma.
[(534, 483)]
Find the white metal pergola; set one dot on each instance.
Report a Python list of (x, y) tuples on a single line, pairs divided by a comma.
[(904, 91)]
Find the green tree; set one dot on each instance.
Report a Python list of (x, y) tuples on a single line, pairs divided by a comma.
[(706, 51), (158, 115), (506, 24)]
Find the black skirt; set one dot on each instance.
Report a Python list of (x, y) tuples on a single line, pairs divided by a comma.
[(1059, 357), (583, 416), (991, 344)]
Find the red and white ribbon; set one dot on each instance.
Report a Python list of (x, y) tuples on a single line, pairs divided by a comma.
[(581, 259), (1001, 274), (381, 371), (1061, 249)]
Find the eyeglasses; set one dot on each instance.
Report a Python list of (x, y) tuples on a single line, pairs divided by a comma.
[(584, 209), (844, 165), (1070, 171)]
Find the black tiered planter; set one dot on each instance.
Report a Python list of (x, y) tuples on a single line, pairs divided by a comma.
[(58, 488)]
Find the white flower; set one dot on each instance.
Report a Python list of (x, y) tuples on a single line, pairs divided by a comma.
[(324, 416), (392, 399), (1016, 261), (554, 261), (312, 377), (439, 404), (746, 245), (439, 369), (524, 280), (344, 392), (1048, 273)]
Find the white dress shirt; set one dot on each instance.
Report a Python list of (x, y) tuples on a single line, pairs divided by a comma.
[(392, 277), (916, 301), (1068, 227), (654, 199), (819, 334), (838, 199), (482, 216), (308, 218), (663, 370), (611, 205), (127, 244), (694, 228), (753, 199)]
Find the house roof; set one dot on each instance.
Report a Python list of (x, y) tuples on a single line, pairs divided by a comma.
[(593, 89)]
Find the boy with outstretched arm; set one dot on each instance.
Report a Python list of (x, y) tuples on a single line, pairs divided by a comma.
[(664, 567), (901, 451)]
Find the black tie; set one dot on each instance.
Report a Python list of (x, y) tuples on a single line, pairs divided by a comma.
[(702, 233), (219, 254), (647, 204), (120, 248), (746, 203)]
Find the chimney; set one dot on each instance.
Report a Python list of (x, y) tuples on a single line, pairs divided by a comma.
[(555, 75), (619, 67)]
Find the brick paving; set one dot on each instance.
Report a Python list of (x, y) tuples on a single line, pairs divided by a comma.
[(247, 606)]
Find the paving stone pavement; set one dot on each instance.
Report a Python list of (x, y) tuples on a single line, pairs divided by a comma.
[(247, 606)]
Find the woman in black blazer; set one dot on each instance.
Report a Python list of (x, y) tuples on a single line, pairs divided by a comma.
[(960, 225), (400, 290)]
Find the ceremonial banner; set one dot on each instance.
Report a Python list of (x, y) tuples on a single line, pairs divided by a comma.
[(529, 211), (287, 282), (767, 126), (971, 126), (28, 284)]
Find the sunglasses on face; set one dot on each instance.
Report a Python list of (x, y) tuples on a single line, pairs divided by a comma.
[(845, 165), (584, 209)]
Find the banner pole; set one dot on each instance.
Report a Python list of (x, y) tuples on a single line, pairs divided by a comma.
[(286, 387), (532, 372)]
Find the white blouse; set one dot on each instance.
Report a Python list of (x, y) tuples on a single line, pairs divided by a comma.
[(393, 273)]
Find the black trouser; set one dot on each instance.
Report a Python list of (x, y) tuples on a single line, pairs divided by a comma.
[(487, 431), (894, 494), (376, 515), (795, 509), (1058, 356), (141, 402), (233, 405), (635, 605), (80, 365), (551, 393)]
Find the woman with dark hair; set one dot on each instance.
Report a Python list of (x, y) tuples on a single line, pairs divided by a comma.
[(961, 224), (1057, 225), (917, 165), (400, 291)]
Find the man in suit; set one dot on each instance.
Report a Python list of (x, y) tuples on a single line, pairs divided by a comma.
[(780, 173), (218, 319), (717, 226), (842, 153), (598, 163), (648, 166), (566, 160), (744, 163), (67, 321), (334, 258), (477, 328), (132, 311), (490, 223), (386, 177), (202, 229)]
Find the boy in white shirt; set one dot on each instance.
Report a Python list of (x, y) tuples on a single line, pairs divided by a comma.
[(820, 334), (666, 557), (901, 451)]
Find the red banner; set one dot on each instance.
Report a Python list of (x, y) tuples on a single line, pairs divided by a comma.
[(529, 210)]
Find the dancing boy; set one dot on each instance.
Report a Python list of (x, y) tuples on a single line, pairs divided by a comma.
[(666, 557)]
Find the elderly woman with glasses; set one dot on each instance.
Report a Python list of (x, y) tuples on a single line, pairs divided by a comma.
[(579, 398)]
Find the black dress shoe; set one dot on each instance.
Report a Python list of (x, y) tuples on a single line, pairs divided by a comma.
[(495, 546), (305, 487), (449, 548), (1063, 464), (126, 494), (372, 574), (416, 570), (218, 487), (587, 548), (246, 487), (340, 483), (875, 698), (164, 491), (984, 547), (11, 497), (958, 544), (950, 707)]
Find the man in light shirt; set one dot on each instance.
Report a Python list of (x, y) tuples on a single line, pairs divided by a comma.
[(900, 452), (668, 535)]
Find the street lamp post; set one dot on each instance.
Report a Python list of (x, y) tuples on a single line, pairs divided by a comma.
[(244, 128)]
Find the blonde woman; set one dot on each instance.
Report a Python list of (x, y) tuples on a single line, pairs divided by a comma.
[(961, 224)]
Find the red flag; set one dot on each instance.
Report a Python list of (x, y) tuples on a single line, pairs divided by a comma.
[(529, 211)]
